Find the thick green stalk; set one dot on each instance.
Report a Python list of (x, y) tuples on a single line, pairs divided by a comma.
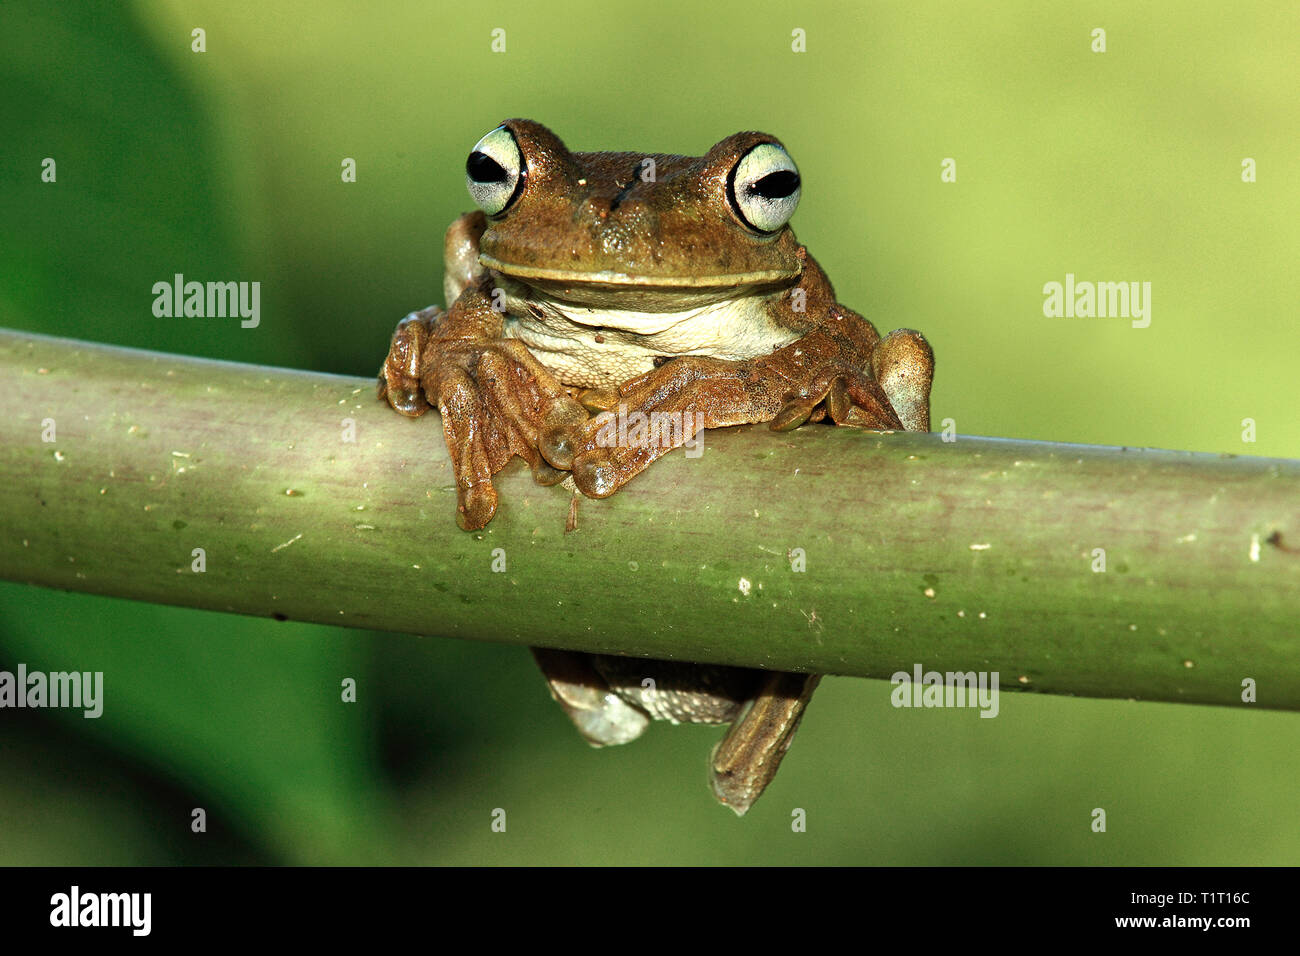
[(824, 549)]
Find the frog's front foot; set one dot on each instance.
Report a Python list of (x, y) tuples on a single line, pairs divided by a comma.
[(888, 391), (691, 393), (671, 404), (841, 371), (494, 398)]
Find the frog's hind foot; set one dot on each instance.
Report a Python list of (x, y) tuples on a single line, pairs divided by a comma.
[(747, 758), (602, 717)]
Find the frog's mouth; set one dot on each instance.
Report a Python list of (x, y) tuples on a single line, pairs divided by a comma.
[(645, 293)]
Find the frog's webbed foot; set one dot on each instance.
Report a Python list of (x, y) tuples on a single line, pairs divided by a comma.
[(602, 717), (747, 758), (671, 402), (764, 709), (494, 398), (845, 395), (492, 393), (868, 382), (840, 370)]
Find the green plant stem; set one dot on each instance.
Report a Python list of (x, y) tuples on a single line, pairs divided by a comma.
[(976, 554)]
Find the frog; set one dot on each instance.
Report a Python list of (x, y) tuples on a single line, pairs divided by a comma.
[(590, 283)]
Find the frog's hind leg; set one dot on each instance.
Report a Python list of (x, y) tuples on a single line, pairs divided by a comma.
[(602, 717), (747, 758), (903, 363)]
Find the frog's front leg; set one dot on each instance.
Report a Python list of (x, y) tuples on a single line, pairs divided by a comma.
[(461, 267), (493, 394), (840, 369)]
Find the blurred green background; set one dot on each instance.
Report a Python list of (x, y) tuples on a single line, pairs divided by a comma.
[(1123, 165)]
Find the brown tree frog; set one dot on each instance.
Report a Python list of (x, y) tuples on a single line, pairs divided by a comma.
[(665, 284)]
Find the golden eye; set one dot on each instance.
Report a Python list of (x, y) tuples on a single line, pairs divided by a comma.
[(764, 187), (494, 172)]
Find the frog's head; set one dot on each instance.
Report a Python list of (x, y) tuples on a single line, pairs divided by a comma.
[(644, 229)]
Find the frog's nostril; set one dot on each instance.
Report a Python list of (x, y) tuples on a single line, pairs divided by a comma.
[(622, 194)]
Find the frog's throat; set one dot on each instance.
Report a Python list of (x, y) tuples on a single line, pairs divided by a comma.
[(739, 318), (599, 347), (624, 279)]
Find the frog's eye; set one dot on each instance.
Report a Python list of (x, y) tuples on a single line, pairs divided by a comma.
[(765, 187), (495, 171)]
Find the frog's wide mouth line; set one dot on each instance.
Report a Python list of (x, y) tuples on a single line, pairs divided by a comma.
[(580, 277)]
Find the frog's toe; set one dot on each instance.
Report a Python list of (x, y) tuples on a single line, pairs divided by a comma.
[(857, 401), (747, 758), (847, 397), (399, 379), (595, 474), (558, 446), (600, 471), (562, 433), (409, 401), (467, 431), (793, 414), (475, 507), (544, 474)]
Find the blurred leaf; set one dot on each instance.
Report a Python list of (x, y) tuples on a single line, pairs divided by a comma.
[(244, 712), (140, 192)]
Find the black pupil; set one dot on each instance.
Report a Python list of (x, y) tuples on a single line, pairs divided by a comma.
[(776, 185), (482, 168)]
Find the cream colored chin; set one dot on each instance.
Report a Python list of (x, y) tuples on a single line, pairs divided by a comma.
[(600, 348)]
